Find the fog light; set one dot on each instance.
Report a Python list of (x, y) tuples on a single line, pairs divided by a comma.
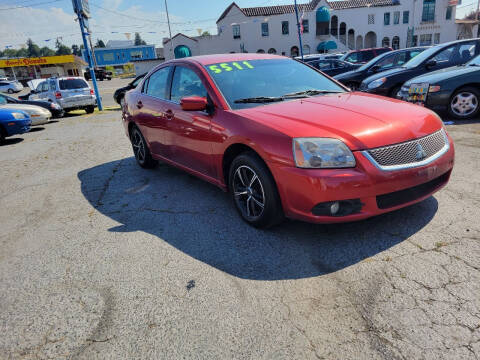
[(334, 207)]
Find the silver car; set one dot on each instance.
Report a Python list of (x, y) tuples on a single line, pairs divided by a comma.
[(71, 93), (10, 87)]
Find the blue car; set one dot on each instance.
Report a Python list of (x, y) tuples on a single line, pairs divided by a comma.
[(13, 122)]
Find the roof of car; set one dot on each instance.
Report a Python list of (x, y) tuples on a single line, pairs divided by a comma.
[(219, 58)]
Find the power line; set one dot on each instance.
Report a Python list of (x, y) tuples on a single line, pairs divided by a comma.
[(31, 5)]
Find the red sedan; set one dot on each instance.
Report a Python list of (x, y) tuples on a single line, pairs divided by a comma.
[(286, 140)]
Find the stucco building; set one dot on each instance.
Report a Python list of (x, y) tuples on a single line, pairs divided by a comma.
[(327, 25)]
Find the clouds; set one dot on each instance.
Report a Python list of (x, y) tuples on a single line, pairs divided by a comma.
[(41, 24)]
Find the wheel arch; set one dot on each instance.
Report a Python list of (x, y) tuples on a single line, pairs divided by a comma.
[(461, 86)]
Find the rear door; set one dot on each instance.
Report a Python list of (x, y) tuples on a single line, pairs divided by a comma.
[(149, 108), (190, 129)]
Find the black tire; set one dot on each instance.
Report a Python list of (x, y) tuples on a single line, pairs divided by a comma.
[(247, 195), (3, 135), (352, 85), (90, 109), (458, 102), (10, 91), (140, 149), (394, 91)]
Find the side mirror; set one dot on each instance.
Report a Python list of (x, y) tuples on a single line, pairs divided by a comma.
[(193, 103), (431, 63), (375, 68)]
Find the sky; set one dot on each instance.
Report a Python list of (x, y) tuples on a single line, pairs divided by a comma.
[(46, 20)]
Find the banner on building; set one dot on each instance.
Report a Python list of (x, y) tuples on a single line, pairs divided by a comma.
[(45, 60)]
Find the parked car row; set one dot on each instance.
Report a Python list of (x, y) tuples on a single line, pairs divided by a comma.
[(442, 77)]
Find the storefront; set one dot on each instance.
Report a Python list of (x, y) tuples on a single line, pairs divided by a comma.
[(25, 69)]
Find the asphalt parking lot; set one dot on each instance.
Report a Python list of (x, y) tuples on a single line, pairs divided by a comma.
[(100, 259)]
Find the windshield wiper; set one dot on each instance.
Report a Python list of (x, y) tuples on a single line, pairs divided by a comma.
[(259, 99), (307, 93)]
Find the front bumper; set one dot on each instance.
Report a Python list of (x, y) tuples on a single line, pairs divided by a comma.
[(18, 127), (40, 120), (378, 191), (437, 101)]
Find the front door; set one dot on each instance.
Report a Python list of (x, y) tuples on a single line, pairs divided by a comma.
[(190, 130)]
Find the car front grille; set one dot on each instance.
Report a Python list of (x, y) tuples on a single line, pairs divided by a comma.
[(411, 153)]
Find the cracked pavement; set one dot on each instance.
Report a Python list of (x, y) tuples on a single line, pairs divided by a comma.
[(100, 259)]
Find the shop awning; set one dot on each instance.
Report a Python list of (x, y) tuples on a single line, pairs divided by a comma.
[(327, 45)]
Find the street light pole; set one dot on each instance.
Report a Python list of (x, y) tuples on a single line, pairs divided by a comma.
[(169, 30), (298, 29)]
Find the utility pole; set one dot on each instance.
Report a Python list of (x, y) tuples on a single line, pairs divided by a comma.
[(169, 30), (93, 50), (298, 29)]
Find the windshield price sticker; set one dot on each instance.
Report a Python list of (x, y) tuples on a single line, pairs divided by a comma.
[(230, 66)]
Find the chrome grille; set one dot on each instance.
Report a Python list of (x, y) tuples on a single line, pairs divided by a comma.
[(407, 153)]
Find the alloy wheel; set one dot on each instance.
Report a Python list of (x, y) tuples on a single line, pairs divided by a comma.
[(138, 146), (248, 192), (464, 104)]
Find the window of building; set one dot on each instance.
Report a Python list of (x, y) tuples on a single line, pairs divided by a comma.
[(136, 54), (305, 26), (272, 51), (425, 39), (448, 16), (428, 13), (396, 43), (264, 29), (436, 39), (386, 19), (371, 19), (396, 17), (406, 17), (108, 57), (285, 27), (236, 31), (386, 42), (415, 40)]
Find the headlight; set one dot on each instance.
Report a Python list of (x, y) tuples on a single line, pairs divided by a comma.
[(18, 116), (405, 88), (377, 83), (323, 153)]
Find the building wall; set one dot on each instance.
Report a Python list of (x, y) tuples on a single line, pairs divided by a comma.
[(121, 56), (356, 19), (142, 67)]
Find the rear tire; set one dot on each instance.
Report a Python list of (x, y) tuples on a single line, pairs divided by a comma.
[(10, 91), (464, 103), (254, 192), (90, 109), (3, 135), (140, 149)]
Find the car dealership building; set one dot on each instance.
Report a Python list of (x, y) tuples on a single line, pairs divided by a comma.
[(327, 26)]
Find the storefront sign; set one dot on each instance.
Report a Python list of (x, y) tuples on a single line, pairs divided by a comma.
[(61, 59)]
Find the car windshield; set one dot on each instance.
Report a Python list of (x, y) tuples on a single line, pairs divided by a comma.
[(69, 84), (255, 82), (372, 62), (475, 61), (424, 55)]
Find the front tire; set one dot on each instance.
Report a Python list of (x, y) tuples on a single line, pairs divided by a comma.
[(395, 91), (90, 109), (464, 103), (140, 149), (3, 135), (10, 91), (254, 191)]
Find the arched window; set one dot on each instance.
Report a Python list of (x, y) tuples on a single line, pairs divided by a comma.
[(396, 43), (306, 49), (294, 51), (334, 25), (260, 51), (386, 42), (272, 51), (182, 51), (370, 40), (351, 39), (359, 44), (343, 33), (323, 20)]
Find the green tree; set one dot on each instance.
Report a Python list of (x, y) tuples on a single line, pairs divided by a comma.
[(76, 50), (22, 53), (62, 49), (99, 44), (139, 40), (206, 33), (46, 51), (33, 50)]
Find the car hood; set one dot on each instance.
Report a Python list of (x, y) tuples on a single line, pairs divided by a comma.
[(386, 73), (362, 121), (444, 74), (30, 109)]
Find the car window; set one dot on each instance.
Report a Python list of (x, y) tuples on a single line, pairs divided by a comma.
[(322, 65), (337, 64), (137, 81), (3, 84), (157, 83), (186, 83), (40, 86), (354, 58), (414, 53), (52, 85), (466, 52), (3, 101), (401, 58), (70, 84), (367, 55), (387, 62), (444, 55)]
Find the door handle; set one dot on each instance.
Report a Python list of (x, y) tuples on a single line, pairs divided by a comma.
[(139, 104), (169, 114)]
